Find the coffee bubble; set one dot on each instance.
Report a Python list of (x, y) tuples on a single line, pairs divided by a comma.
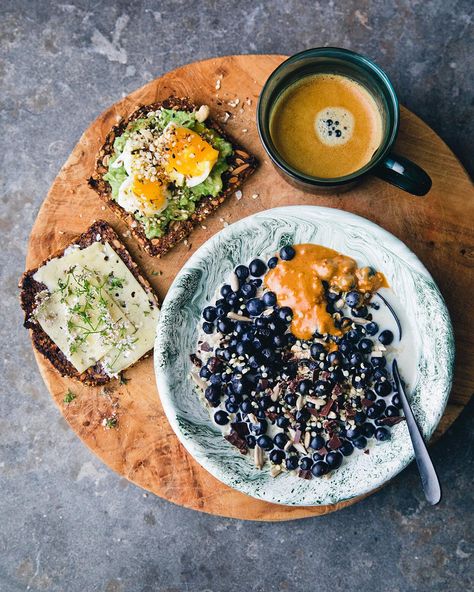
[(334, 126)]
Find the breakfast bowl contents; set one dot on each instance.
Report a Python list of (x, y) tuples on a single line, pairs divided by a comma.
[(91, 312), (166, 168), (305, 412), (292, 365)]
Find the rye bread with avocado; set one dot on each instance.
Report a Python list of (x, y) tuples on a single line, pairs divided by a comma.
[(241, 165), (30, 290)]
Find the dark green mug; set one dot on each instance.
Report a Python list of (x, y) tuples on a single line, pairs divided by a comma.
[(397, 170)]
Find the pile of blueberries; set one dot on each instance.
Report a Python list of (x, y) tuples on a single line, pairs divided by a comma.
[(252, 357)]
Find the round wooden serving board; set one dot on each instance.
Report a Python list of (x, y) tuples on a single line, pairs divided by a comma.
[(438, 228)]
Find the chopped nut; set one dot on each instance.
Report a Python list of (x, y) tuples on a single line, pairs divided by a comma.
[(202, 113)]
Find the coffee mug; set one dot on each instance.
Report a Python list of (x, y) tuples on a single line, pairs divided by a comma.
[(394, 169)]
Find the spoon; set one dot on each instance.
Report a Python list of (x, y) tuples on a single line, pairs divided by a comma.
[(429, 478)]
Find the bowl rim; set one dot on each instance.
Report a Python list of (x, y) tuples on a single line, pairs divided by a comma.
[(166, 398)]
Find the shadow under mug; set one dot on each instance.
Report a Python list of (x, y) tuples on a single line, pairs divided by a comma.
[(394, 169)]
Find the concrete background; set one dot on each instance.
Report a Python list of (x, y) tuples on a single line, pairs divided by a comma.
[(67, 523)]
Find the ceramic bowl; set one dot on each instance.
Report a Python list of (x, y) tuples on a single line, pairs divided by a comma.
[(419, 303)]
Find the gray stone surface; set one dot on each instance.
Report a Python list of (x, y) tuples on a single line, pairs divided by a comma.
[(66, 521)]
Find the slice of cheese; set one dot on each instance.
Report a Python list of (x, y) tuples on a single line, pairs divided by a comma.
[(133, 316)]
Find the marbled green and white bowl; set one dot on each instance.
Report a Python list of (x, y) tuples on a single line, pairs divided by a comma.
[(424, 316)]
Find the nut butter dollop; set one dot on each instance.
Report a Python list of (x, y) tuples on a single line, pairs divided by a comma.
[(298, 283)]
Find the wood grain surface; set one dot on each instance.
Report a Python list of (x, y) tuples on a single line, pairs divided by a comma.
[(439, 228)]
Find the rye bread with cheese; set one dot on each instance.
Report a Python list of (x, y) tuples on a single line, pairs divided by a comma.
[(31, 289), (241, 165)]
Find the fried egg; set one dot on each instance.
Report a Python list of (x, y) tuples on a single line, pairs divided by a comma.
[(147, 197), (187, 157)]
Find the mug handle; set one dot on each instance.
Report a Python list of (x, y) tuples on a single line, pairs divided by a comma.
[(405, 174)]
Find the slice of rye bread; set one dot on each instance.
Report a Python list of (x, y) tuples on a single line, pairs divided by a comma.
[(242, 164), (30, 288)]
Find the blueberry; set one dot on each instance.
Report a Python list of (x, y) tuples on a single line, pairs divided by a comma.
[(246, 406), (316, 350), (373, 412), (353, 433), (360, 442), (320, 468), (257, 344), (209, 314), (317, 442), (290, 399), (280, 341), (336, 375), (365, 346), (242, 272), (317, 456), (277, 456), (222, 310), (260, 414), (269, 298), (392, 411), (346, 448), (383, 388), (257, 268), (302, 415), (386, 337), (285, 313), (355, 359), (367, 430), (265, 402), (272, 262), (353, 335), (371, 328), (248, 290), (215, 379), (231, 406), (240, 328), (255, 307), (304, 387), (382, 434), (232, 300), (226, 290), (346, 347), (282, 421), (204, 372), (360, 313), (352, 299), (225, 326), (213, 395), (292, 463), (257, 282), (265, 442), (251, 441), (378, 361), (306, 463), (321, 387), (237, 386), (259, 428), (334, 460), (359, 417), (381, 405), (396, 401), (207, 327), (380, 373), (280, 440), (287, 253), (334, 358)]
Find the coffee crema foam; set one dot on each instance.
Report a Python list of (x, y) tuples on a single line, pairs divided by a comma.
[(326, 125), (334, 126)]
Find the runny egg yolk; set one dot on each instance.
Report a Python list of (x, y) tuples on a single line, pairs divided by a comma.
[(152, 192), (188, 154)]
